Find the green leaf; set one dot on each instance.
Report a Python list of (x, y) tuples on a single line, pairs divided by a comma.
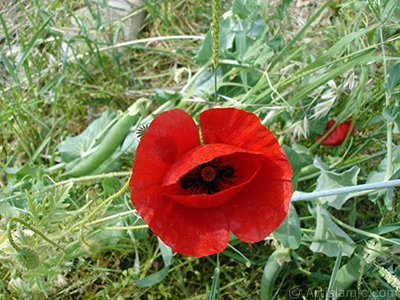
[(380, 175), (163, 96), (329, 236), (318, 126), (302, 91), (8, 211), (155, 278), (289, 233), (226, 34), (348, 274), (33, 209), (73, 147), (110, 186), (241, 9), (113, 163), (271, 271), (331, 180), (215, 285), (393, 79), (336, 48), (258, 53), (289, 45), (204, 84), (296, 162), (393, 116), (32, 43)]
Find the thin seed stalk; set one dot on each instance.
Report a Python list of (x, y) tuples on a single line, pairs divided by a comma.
[(30, 228), (97, 209), (215, 31)]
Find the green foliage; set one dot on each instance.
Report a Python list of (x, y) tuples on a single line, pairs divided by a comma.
[(289, 232), (329, 180), (329, 239)]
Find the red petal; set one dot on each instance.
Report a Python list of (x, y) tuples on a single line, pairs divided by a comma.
[(247, 166), (239, 128), (337, 136), (262, 205), (170, 135), (187, 230)]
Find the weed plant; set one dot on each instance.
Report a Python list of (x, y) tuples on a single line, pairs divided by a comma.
[(69, 111)]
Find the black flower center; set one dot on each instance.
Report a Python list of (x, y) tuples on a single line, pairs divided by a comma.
[(209, 178)]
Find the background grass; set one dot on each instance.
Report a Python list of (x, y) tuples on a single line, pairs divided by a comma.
[(48, 95)]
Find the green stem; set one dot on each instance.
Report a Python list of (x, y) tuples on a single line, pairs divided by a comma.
[(10, 238), (389, 124), (83, 179), (347, 190), (30, 228), (215, 47), (362, 232), (215, 31), (98, 208)]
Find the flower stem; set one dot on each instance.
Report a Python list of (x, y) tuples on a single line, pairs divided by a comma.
[(347, 190), (12, 243), (105, 202)]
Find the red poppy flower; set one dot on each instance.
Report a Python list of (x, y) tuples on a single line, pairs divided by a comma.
[(337, 136), (192, 195)]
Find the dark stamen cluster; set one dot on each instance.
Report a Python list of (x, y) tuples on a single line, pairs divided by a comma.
[(141, 130), (209, 178)]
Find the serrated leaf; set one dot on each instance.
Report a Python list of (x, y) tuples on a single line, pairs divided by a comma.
[(33, 208), (331, 180), (289, 232), (56, 209), (329, 236), (73, 147)]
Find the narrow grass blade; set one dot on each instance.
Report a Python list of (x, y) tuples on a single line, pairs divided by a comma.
[(3, 24), (32, 43), (343, 42), (334, 273), (303, 91), (215, 285), (298, 35), (11, 70)]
